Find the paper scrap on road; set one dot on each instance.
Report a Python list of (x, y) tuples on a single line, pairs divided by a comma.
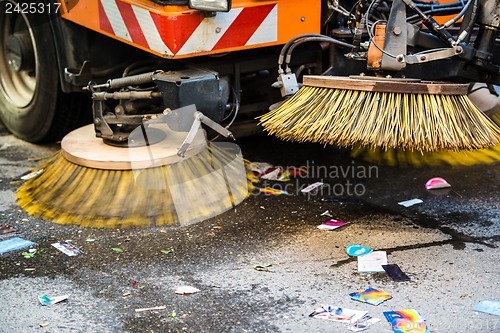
[(409, 203), (402, 320), (13, 244), (363, 324), (186, 290), (312, 187), (436, 183), (7, 230), (46, 300), (395, 272), (488, 306), (326, 213), (372, 262), (67, 248), (269, 171), (151, 309), (355, 250), (371, 296), (268, 191), (31, 174), (332, 224), (334, 313)]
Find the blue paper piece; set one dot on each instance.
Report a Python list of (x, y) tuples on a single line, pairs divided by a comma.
[(46, 300), (488, 306), (355, 250), (13, 244), (406, 321), (371, 296)]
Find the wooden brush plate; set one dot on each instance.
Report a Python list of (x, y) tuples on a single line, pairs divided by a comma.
[(82, 147), (375, 84)]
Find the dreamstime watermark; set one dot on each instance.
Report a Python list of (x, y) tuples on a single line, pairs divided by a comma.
[(324, 180)]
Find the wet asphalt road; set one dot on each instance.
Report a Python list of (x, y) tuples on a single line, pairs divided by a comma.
[(448, 245)]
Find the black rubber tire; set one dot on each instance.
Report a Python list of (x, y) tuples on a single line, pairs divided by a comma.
[(46, 114)]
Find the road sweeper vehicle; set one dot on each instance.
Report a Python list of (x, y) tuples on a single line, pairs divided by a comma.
[(147, 73)]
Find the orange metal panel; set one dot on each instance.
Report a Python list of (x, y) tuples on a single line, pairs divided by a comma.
[(179, 32)]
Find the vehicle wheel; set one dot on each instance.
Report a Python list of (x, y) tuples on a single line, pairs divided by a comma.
[(32, 105)]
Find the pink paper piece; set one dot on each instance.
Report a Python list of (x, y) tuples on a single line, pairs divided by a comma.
[(435, 183), (331, 224)]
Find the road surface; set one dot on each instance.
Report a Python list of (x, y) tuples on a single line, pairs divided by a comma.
[(265, 266)]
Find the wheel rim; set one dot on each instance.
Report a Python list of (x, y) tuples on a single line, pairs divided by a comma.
[(18, 87)]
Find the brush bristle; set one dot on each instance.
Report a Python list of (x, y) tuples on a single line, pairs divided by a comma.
[(423, 122), (195, 189), (398, 157)]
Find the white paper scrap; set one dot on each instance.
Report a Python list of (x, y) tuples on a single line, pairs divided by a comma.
[(372, 262), (363, 324), (67, 248), (185, 290), (312, 187), (46, 300), (409, 203), (32, 174)]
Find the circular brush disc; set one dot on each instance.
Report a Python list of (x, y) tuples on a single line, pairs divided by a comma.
[(91, 184), (82, 147)]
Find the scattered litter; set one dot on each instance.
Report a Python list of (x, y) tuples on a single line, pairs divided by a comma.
[(436, 183), (343, 201), (67, 248), (31, 174), (268, 171), (134, 283), (268, 191), (371, 296), (488, 306), (331, 224), (186, 290), (151, 309), (32, 252), (167, 251), (395, 272), (334, 313), (312, 187), (355, 250), (29, 269), (43, 324), (13, 244), (46, 300), (372, 262), (117, 249), (363, 323), (172, 314), (90, 240), (326, 213), (126, 294), (262, 268), (406, 321), (7, 230), (409, 203)]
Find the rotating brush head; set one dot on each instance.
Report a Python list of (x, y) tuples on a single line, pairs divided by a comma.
[(349, 111), (92, 184)]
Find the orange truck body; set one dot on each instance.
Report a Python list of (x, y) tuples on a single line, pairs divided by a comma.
[(177, 32)]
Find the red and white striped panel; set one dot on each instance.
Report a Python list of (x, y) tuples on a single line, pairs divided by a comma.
[(184, 35)]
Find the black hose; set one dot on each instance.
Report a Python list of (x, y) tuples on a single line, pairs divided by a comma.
[(284, 49), (321, 38)]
